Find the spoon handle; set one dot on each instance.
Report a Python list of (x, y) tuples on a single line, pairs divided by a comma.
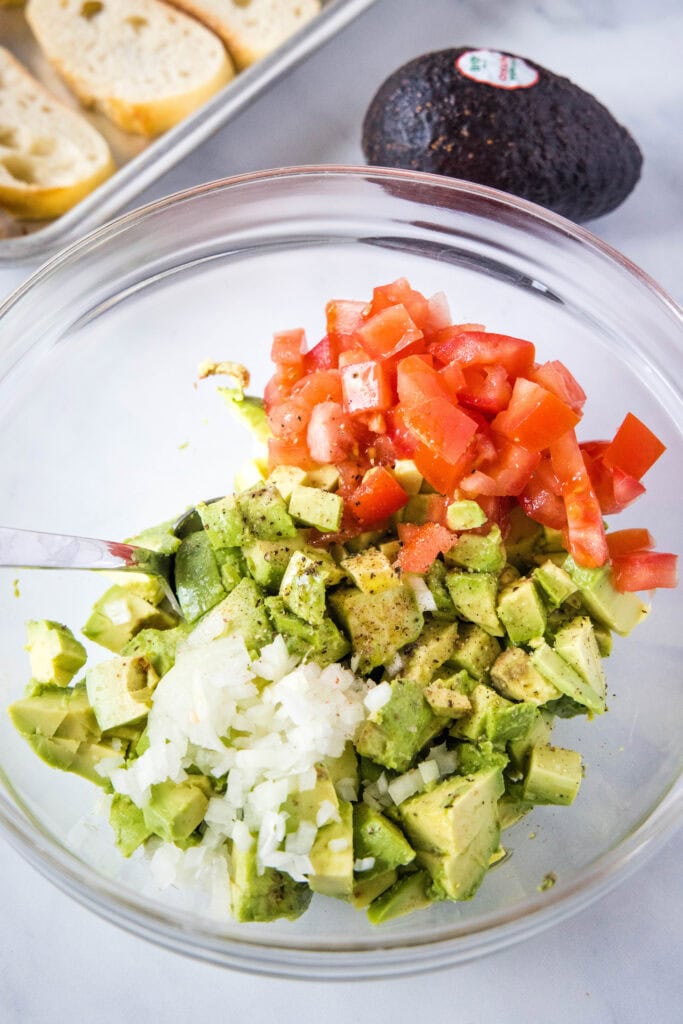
[(28, 549)]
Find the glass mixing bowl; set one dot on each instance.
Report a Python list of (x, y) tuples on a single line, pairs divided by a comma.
[(103, 431)]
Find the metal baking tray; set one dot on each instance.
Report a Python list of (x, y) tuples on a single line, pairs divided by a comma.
[(139, 160)]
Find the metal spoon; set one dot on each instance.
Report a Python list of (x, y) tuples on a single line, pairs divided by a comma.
[(28, 549)]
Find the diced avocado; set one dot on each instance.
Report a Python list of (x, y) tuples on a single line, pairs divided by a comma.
[(150, 588), (362, 541), (556, 584), (223, 522), (603, 638), (390, 549), (119, 614), (478, 552), (474, 595), (265, 513), (249, 409), (55, 655), (285, 478), (232, 567), (266, 895), (371, 571), (395, 733), (128, 823), (70, 755), (343, 772), (267, 560), (305, 805), (175, 809), (523, 538), (418, 509), (514, 676), (332, 856), (494, 717), (159, 538), (473, 724), (378, 625), (618, 611), (157, 645), (365, 889), (561, 674), (377, 837), (303, 589), (430, 651), (243, 611), (454, 828), (553, 775), (553, 541), (511, 806), (521, 611), (475, 757), (325, 478), (475, 652), (120, 690), (410, 893), (317, 508), (511, 723), (54, 711), (465, 515), (435, 579), (447, 697), (197, 576), (408, 475), (251, 473), (323, 643), (577, 644), (537, 735)]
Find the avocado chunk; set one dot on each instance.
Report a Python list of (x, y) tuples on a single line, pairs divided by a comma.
[(331, 856), (119, 614), (286, 478), (323, 643), (56, 712), (514, 676), (479, 552), (371, 571), (374, 836), (454, 828), (474, 595), (264, 896), (120, 690), (267, 560), (578, 672), (475, 652), (537, 735), (540, 136), (343, 772), (395, 733), (523, 538), (365, 890), (175, 809), (313, 507), (556, 584), (161, 538), (430, 651), (617, 611), (494, 717), (243, 611), (55, 655), (448, 696), (306, 804), (265, 513), (435, 579), (303, 589), (198, 582), (464, 515), (157, 645), (378, 625), (223, 522), (521, 611), (409, 893), (70, 755), (128, 824), (553, 775)]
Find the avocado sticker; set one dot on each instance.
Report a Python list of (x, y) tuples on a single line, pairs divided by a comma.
[(497, 69)]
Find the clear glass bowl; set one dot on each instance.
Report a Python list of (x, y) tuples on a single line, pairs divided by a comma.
[(102, 432)]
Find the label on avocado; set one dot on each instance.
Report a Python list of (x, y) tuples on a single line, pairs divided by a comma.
[(498, 69)]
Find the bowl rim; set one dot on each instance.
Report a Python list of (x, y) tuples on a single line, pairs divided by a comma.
[(188, 933)]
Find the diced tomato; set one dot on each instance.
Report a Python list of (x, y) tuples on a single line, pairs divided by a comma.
[(497, 510), (433, 510), (446, 430), (481, 348), (614, 489), (378, 496), (343, 318), (289, 419), (623, 542), (555, 377), (388, 332), (352, 355), (323, 356), (442, 475), (329, 435), (366, 386), (508, 474), (585, 529), (288, 348), (645, 570), (453, 377), (289, 453), (399, 292), (404, 442), (417, 382), (486, 388), (542, 499), (321, 386), (634, 448), (422, 544), (438, 314), (275, 392), (535, 417)]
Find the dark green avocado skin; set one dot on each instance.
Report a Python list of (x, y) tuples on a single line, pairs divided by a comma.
[(551, 143)]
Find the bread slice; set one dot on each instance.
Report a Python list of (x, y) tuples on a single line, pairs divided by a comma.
[(251, 28), (50, 156), (143, 64)]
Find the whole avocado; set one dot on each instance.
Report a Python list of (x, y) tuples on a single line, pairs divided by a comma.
[(504, 121)]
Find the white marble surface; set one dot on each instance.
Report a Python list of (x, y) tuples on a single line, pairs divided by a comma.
[(617, 961)]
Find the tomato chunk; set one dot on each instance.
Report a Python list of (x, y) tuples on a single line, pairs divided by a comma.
[(388, 332), (481, 348), (542, 499), (399, 292), (417, 382), (535, 417), (323, 356), (422, 544), (645, 570), (343, 318), (329, 434), (585, 529), (634, 448), (378, 496), (623, 542), (485, 387), (509, 473), (446, 430), (555, 377), (288, 348), (366, 386)]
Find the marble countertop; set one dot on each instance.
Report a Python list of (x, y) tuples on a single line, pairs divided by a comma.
[(619, 960)]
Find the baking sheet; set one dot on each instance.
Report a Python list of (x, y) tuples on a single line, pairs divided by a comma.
[(139, 160)]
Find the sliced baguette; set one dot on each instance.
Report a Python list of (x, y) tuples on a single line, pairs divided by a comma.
[(50, 157), (143, 64), (251, 28)]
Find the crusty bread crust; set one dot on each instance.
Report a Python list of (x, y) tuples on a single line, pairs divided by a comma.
[(50, 156), (143, 64), (253, 29)]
